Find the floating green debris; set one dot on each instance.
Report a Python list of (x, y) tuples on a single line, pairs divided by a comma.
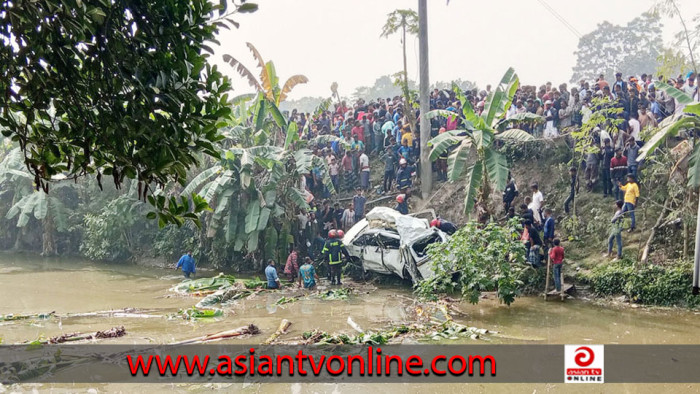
[(254, 283), (286, 300), (452, 330), (194, 313), (336, 294), (39, 316), (204, 285), (366, 338), (235, 292)]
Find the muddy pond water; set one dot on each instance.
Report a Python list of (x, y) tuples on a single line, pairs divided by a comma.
[(30, 285)]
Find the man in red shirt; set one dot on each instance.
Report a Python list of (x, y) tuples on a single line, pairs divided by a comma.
[(358, 132), (556, 257), (618, 172)]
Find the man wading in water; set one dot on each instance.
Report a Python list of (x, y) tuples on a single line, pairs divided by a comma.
[(187, 264)]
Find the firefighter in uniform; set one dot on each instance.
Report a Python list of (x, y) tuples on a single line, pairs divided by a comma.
[(403, 177), (334, 250)]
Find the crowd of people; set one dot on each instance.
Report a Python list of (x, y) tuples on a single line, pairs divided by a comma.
[(382, 130)]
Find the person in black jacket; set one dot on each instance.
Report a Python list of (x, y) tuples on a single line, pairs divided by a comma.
[(526, 215), (509, 194), (574, 188), (608, 153)]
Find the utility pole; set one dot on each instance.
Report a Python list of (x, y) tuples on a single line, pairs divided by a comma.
[(696, 267), (426, 168)]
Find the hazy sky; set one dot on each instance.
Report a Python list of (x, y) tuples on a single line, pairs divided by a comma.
[(338, 40)]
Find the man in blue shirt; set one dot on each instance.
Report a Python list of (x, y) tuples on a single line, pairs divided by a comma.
[(273, 281), (307, 273), (187, 264), (358, 203), (548, 227)]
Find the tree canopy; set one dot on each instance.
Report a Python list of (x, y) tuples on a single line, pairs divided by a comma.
[(629, 49), (112, 88)]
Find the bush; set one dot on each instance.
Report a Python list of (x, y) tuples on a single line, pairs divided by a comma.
[(651, 284), (532, 280), (116, 232), (611, 279), (477, 258), (172, 241)]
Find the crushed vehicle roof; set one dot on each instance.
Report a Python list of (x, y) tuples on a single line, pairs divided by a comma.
[(408, 227)]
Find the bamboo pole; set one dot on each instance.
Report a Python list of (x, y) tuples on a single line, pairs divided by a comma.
[(546, 282), (561, 280)]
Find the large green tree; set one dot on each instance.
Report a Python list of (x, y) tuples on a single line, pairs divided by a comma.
[(632, 49), (112, 88)]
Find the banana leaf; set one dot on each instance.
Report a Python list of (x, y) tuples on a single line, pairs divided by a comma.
[(669, 127), (515, 135), (443, 142), (194, 313), (271, 244), (473, 184), (694, 169), (457, 160), (264, 218), (252, 217), (254, 283), (253, 240), (204, 284), (497, 168), (680, 96)]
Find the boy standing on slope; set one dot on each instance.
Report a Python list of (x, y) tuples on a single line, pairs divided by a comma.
[(556, 256)]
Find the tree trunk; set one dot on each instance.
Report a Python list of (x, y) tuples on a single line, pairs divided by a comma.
[(411, 119), (647, 246), (685, 240), (49, 242), (483, 211)]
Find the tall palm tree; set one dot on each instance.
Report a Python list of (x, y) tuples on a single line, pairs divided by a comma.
[(268, 84), (405, 21)]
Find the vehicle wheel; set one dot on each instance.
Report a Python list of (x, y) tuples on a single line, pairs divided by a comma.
[(354, 269)]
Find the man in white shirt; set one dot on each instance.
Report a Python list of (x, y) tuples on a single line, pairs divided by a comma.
[(689, 88), (537, 202), (634, 126), (364, 171), (550, 130), (603, 135)]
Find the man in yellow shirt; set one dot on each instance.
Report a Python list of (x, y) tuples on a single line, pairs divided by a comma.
[(407, 136), (631, 190)]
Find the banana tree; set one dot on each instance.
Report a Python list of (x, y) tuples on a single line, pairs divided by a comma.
[(255, 185), (268, 84), (671, 126), (29, 202), (475, 144), (689, 120)]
